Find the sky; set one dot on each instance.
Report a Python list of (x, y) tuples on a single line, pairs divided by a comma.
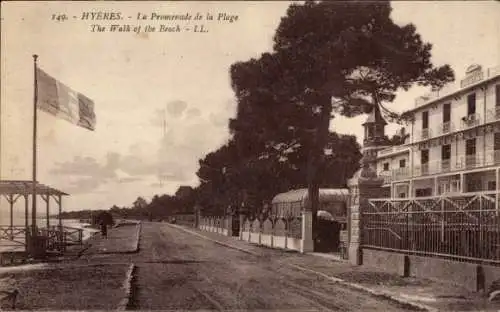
[(136, 80)]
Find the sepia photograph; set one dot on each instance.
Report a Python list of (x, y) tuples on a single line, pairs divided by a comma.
[(250, 155)]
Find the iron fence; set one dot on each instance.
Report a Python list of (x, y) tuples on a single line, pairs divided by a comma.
[(463, 227)]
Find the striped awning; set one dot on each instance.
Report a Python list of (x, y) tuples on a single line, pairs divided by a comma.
[(302, 196)]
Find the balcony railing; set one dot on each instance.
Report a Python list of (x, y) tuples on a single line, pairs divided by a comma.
[(462, 162), (386, 175), (445, 165), (471, 120), (493, 114), (401, 173), (425, 134), (446, 127), (422, 169), (395, 174), (490, 158), (392, 149)]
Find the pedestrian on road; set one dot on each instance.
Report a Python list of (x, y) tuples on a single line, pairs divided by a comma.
[(104, 229)]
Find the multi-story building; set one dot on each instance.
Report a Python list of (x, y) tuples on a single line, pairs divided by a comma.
[(453, 143)]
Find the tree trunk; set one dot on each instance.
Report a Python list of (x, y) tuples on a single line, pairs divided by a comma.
[(316, 154)]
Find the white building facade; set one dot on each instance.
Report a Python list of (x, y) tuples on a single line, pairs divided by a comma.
[(453, 144)]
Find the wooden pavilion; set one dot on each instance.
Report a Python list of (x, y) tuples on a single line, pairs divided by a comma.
[(12, 190)]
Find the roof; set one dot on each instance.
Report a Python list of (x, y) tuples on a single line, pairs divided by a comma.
[(301, 195), (375, 116), (491, 74), (22, 187)]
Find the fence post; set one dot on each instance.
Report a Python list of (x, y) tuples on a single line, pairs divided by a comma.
[(197, 212), (242, 225), (365, 184), (229, 222)]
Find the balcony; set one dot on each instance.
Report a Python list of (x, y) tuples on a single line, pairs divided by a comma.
[(490, 158), (446, 127), (471, 120), (401, 173), (444, 165), (462, 162), (395, 174), (391, 150), (386, 175), (422, 169), (425, 134), (493, 114)]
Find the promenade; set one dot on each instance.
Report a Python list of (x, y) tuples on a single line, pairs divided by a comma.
[(169, 267)]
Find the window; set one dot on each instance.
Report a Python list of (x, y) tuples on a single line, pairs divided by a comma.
[(455, 186), (492, 185), (470, 147), (402, 163), (446, 152), (424, 156), (370, 132), (386, 166), (497, 95), (423, 192), (446, 112), (444, 188), (425, 120), (471, 104), (496, 144)]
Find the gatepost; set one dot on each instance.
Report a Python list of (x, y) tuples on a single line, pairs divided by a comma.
[(197, 216), (365, 184), (307, 243), (242, 216), (229, 222)]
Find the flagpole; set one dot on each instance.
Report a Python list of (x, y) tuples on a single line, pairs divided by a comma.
[(35, 100)]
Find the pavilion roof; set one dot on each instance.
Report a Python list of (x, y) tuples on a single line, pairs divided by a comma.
[(302, 196), (24, 187)]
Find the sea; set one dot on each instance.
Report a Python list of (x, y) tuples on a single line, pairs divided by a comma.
[(7, 245)]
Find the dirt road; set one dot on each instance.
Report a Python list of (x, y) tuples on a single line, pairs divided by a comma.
[(177, 270)]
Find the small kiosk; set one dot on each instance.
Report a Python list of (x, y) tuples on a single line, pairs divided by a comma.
[(331, 215)]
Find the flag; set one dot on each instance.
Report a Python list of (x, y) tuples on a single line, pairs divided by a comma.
[(57, 99)]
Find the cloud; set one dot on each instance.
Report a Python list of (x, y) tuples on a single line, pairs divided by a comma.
[(84, 185), (86, 166), (193, 113), (172, 158), (218, 120), (176, 108)]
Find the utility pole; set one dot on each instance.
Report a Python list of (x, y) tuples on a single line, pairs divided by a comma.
[(163, 146)]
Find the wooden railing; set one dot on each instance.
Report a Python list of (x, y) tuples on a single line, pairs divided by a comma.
[(16, 235), (56, 238)]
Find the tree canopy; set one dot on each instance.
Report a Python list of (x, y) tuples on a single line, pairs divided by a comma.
[(328, 58)]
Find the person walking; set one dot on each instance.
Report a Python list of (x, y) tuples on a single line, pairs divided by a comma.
[(104, 229)]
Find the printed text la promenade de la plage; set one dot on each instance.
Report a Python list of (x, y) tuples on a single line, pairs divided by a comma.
[(147, 22)]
